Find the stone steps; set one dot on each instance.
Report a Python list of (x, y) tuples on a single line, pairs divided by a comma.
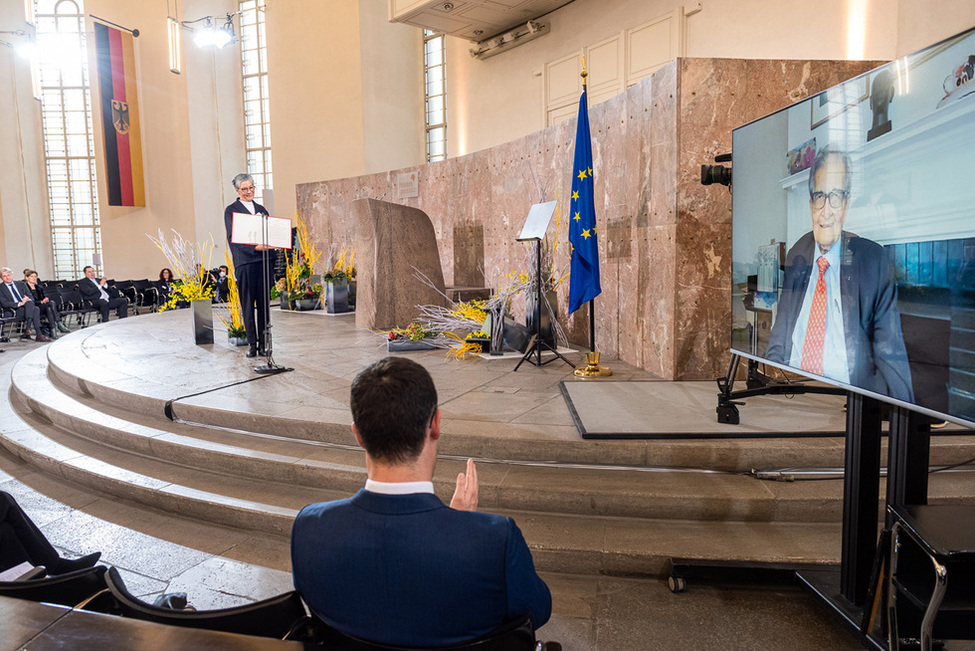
[(585, 507), (624, 492)]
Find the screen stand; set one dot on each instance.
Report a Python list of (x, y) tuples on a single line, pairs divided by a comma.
[(757, 384)]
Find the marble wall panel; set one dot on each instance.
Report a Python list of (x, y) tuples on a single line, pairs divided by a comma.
[(665, 244)]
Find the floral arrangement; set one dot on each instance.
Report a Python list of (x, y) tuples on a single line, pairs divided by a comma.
[(235, 324), (344, 267), (413, 332), (296, 283), (191, 263)]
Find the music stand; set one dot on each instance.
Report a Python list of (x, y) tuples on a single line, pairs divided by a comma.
[(534, 231), (269, 232)]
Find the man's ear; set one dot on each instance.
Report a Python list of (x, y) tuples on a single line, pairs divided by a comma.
[(435, 425), (358, 439)]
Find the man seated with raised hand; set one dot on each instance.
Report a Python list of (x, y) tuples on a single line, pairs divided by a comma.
[(393, 564), (93, 289)]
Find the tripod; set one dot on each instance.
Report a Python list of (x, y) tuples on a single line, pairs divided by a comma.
[(535, 344)]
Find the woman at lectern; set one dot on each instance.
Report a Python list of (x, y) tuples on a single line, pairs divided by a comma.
[(253, 276)]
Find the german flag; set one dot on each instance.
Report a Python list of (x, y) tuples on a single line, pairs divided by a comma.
[(120, 116)]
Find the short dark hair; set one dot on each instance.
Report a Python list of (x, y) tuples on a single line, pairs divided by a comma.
[(393, 402), (87, 267), (820, 160)]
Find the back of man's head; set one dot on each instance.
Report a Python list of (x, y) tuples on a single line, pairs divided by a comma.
[(393, 402)]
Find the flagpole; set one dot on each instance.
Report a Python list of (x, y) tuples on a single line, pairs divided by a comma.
[(592, 367)]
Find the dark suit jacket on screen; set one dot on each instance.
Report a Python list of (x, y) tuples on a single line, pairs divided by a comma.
[(406, 569), (875, 349)]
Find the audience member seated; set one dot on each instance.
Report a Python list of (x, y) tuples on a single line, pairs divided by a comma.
[(221, 291), (165, 284), (93, 289), (48, 310), (393, 564), (16, 297), (21, 540)]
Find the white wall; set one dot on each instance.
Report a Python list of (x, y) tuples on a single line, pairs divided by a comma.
[(499, 99), (25, 234)]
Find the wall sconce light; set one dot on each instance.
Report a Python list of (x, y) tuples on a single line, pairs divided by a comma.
[(211, 35)]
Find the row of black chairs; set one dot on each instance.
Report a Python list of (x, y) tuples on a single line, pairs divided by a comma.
[(145, 293), (284, 617)]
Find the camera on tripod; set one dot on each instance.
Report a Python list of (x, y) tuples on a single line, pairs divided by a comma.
[(711, 174)]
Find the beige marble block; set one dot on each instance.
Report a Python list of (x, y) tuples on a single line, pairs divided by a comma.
[(391, 241)]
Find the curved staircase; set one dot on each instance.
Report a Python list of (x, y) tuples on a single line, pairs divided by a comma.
[(249, 452)]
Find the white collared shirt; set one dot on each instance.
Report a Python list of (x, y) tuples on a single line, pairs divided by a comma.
[(399, 488), (101, 290), (249, 205), (834, 343)]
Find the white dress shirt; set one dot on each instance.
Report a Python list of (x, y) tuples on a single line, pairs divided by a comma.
[(399, 488)]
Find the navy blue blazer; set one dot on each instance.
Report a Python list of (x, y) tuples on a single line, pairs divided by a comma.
[(875, 352), (243, 254), (408, 570)]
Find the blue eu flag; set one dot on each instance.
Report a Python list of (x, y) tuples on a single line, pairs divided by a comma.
[(584, 276)]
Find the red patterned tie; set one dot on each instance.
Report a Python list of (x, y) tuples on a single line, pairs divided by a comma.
[(812, 349)]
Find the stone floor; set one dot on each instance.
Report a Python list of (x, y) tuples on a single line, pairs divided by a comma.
[(219, 566)]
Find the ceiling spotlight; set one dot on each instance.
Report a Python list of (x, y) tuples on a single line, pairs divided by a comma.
[(212, 36)]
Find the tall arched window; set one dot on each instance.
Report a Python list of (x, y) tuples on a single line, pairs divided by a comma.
[(257, 118), (69, 144)]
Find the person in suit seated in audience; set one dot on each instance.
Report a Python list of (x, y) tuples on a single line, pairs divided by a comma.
[(16, 297), (221, 291), (93, 289), (393, 564), (48, 309), (21, 540)]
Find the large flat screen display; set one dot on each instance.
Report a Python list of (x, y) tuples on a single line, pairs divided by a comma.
[(854, 234)]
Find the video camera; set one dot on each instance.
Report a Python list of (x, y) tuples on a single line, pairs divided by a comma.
[(711, 174)]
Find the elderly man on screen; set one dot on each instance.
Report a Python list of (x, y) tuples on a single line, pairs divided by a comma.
[(837, 314), (393, 564), (16, 297), (93, 289)]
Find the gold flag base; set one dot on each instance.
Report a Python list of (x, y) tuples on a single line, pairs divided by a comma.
[(592, 367)]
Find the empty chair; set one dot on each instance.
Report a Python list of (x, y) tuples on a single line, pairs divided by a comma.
[(278, 617), (72, 589), (76, 305)]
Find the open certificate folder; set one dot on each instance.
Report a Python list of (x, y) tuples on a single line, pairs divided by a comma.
[(249, 229)]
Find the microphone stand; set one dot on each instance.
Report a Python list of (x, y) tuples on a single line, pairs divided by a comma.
[(268, 367)]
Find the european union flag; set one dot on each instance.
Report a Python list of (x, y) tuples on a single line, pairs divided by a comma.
[(584, 276)]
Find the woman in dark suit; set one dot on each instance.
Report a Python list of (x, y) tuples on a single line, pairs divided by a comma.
[(49, 311)]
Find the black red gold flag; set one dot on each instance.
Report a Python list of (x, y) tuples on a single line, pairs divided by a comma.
[(120, 116)]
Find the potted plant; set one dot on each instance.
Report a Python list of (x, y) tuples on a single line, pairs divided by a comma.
[(481, 339), (310, 298), (337, 291), (190, 262), (412, 337)]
